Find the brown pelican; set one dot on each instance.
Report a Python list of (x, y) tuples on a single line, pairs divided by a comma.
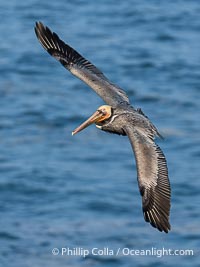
[(119, 117)]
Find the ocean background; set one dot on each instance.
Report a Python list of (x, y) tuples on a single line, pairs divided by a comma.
[(59, 191)]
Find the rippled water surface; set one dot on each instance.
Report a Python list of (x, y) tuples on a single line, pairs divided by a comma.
[(81, 192)]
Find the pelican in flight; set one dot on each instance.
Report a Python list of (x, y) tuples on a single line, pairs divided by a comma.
[(119, 117)]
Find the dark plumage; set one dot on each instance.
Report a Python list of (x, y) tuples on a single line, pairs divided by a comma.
[(120, 117)]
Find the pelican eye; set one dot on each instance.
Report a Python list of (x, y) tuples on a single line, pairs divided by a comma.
[(102, 111)]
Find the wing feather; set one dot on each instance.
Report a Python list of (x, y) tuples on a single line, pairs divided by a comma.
[(152, 179), (80, 67)]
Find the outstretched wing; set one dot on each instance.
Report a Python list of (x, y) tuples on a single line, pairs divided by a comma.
[(80, 67), (152, 178)]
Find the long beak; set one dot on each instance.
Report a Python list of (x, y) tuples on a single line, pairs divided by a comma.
[(94, 118)]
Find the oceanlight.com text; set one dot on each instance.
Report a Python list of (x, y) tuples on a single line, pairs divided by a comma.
[(106, 251)]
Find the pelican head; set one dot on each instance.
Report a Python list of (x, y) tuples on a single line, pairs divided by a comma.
[(100, 115)]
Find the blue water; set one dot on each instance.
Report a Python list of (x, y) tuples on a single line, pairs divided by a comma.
[(62, 191)]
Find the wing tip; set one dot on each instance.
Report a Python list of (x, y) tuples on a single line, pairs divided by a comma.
[(56, 47), (48, 39), (39, 26), (158, 221), (41, 31)]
